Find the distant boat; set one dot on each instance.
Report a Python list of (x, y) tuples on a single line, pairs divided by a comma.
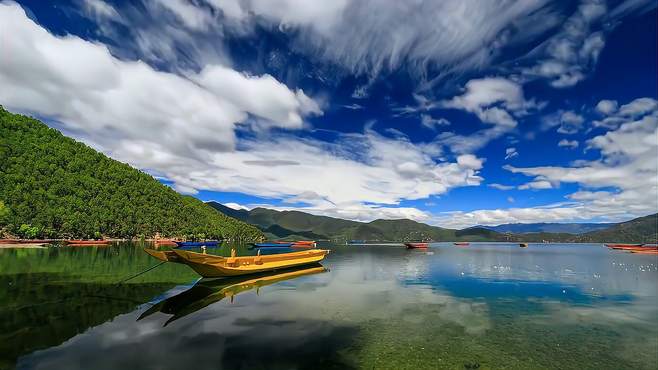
[(623, 246), (416, 245), (304, 244), (523, 245), (273, 245), (211, 266), (165, 242), (81, 243), (207, 243), (461, 243), (27, 241), (641, 248), (647, 251)]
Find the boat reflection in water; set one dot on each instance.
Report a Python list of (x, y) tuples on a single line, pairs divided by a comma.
[(208, 291)]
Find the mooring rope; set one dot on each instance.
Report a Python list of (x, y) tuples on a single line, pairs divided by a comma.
[(141, 273)]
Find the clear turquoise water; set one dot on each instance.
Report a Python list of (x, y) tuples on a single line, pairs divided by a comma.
[(485, 306)]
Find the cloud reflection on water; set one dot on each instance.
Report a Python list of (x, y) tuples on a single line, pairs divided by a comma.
[(322, 319)]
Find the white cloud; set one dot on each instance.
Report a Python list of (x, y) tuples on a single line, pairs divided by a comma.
[(511, 153), (358, 212), (628, 165), (514, 215), (182, 128), (567, 121), (353, 106), (606, 107), (349, 33), (469, 161), (510, 199), (614, 118), (236, 206), (100, 9), (572, 144), (570, 122), (501, 186), (117, 103), (493, 100), (356, 169), (536, 185), (638, 107), (441, 41), (432, 123), (192, 16), (571, 53)]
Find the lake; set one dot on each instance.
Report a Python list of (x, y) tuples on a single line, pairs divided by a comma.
[(486, 306)]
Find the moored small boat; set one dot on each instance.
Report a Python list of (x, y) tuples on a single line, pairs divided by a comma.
[(82, 243), (207, 243), (27, 241), (212, 266), (273, 245), (166, 242), (622, 246), (642, 248), (304, 244), (416, 245), (645, 251), (523, 245), (462, 244)]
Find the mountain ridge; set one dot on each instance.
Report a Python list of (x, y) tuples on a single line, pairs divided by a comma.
[(550, 227), (302, 224)]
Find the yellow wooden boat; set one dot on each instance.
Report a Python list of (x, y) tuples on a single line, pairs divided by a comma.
[(212, 266), (207, 292)]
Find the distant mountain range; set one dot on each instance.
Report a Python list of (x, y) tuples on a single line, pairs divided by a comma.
[(301, 225), (572, 228), (298, 225)]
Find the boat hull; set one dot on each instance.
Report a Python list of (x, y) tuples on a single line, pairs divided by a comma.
[(167, 243), (210, 243), (622, 246), (166, 256), (86, 242), (211, 266), (416, 245), (273, 245)]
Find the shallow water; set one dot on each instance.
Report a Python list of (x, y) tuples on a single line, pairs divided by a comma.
[(485, 306)]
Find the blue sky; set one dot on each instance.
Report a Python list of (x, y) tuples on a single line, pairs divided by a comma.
[(453, 113)]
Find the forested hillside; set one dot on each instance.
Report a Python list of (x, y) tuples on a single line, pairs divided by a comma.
[(297, 225), (639, 230), (567, 228), (53, 186)]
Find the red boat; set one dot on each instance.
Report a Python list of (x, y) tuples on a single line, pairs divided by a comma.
[(77, 243), (622, 246), (304, 244), (461, 243), (647, 251), (26, 241), (165, 242), (416, 245)]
